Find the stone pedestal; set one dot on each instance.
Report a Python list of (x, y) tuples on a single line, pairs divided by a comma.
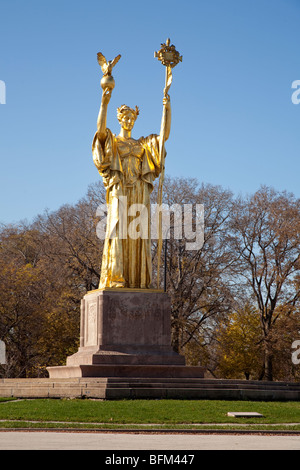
[(125, 333)]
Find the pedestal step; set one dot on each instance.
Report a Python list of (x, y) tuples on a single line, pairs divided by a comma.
[(120, 357), (147, 388), (125, 370)]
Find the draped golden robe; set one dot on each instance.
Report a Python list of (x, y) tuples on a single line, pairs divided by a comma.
[(128, 168)]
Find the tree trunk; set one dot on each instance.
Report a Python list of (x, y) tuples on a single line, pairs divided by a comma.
[(268, 365), (175, 338)]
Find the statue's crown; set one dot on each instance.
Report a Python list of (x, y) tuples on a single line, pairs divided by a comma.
[(124, 108)]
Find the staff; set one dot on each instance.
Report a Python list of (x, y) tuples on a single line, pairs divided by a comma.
[(169, 57)]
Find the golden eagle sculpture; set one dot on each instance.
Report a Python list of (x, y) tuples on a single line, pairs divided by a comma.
[(107, 65)]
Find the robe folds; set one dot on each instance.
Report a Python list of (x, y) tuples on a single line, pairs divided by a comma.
[(128, 168)]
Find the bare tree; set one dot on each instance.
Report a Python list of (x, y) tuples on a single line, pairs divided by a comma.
[(196, 279), (69, 235), (266, 240)]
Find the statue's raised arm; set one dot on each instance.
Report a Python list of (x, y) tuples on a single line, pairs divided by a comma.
[(107, 84)]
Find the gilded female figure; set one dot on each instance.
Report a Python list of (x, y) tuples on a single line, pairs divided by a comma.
[(128, 168)]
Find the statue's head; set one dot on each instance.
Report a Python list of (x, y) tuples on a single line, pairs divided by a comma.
[(127, 116)]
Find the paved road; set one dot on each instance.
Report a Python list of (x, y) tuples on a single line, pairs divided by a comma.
[(20, 440)]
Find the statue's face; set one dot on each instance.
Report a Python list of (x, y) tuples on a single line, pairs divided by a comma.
[(127, 120)]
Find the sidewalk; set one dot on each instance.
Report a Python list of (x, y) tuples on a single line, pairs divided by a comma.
[(53, 440)]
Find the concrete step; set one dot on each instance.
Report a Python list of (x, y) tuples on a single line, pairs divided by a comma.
[(116, 388), (198, 394), (210, 386), (201, 381)]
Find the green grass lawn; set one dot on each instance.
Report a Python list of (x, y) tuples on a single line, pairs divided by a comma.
[(130, 413)]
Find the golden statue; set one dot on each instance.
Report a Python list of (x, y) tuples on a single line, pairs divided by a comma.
[(129, 167)]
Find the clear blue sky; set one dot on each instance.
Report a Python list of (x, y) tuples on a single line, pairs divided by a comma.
[(233, 121)]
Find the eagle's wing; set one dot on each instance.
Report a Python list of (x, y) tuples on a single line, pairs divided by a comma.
[(101, 59), (116, 59)]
